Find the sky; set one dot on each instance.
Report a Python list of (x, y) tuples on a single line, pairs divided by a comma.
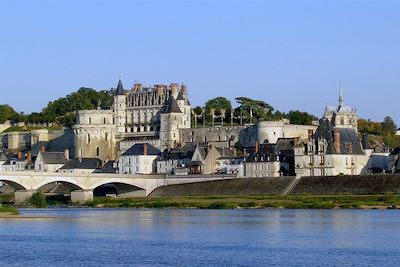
[(291, 54)]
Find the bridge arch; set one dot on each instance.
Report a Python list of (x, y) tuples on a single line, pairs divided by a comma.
[(74, 183), (117, 188), (15, 185)]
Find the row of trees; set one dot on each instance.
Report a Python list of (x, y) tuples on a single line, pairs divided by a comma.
[(248, 111), (384, 131), (62, 110)]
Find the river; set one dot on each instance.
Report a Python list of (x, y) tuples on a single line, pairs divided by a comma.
[(142, 237)]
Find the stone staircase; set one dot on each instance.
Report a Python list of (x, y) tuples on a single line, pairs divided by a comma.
[(290, 187)]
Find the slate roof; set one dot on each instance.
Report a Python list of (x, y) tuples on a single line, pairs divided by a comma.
[(180, 96), (347, 136), (120, 88), (138, 149), (108, 167), (266, 153), (82, 163), (171, 106), (183, 152), (285, 144), (54, 158)]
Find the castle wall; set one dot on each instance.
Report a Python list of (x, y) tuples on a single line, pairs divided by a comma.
[(220, 136)]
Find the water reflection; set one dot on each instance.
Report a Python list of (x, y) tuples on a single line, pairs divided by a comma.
[(126, 237)]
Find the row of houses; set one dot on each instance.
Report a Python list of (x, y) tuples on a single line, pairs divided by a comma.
[(338, 152), (53, 162)]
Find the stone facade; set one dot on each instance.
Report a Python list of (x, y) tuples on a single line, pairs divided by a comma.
[(95, 134), (138, 115)]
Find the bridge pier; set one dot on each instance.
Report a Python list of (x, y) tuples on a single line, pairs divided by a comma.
[(23, 195), (81, 196)]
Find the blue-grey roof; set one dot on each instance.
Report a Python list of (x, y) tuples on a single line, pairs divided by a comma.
[(54, 158), (138, 149), (120, 88), (82, 163), (171, 106), (347, 136)]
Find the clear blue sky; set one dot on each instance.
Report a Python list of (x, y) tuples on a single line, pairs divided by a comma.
[(292, 54)]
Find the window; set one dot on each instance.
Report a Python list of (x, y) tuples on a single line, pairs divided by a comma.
[(89, 139), (97, 151), (90, 120), (106, 136)]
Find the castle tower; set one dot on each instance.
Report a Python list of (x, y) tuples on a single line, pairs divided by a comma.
[(342, 116), (171, 122), (120, 108)]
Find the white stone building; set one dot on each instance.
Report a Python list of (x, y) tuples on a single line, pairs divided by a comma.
[(50, 161), (153, 115), (334, 148), (139, 159)]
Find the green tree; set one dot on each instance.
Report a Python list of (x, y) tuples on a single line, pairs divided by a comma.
[(6, 113), (301, 118), (218, 103), (388, 126), (259, 109), (38, 200)]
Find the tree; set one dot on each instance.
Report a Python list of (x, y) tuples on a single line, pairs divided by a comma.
[(301, 118), (255, 108), (198, 111), (6, 113), (38, 200), (218, 103), (388, 126)]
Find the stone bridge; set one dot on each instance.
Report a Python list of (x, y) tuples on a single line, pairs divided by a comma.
[(26, 183)]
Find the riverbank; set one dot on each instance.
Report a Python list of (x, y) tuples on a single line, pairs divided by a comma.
[(8, 212), (252, 202)]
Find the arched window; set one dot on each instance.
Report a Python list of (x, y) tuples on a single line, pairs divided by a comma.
[(106, 136), (97, 151), (88, 138)]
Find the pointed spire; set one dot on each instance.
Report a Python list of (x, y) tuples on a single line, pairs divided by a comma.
[(120, 88), (341, 95)]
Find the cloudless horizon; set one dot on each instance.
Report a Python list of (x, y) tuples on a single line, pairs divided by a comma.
[(291, 54)]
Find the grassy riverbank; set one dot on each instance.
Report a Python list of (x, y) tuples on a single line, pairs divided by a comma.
[(250, 202), (8, 211)]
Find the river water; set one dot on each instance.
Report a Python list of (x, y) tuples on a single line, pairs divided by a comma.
[(141, 237)]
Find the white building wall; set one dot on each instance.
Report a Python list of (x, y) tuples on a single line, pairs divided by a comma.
[(140, 164), (262, 169)]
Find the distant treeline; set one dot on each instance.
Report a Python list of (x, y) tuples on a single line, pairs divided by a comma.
[(62, 110)]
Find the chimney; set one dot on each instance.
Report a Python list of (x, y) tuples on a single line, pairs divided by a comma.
[(29, 156), (66, 154), (257, 148), (159, 89), (19, 155), (42, 149), (145, 149), (174, 89), (337, 140), (310, 134), (184, 89)]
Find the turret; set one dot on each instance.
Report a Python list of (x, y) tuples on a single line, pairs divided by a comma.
[(120, 108)]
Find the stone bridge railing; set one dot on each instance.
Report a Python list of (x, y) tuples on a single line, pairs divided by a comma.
[(26, 183)]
